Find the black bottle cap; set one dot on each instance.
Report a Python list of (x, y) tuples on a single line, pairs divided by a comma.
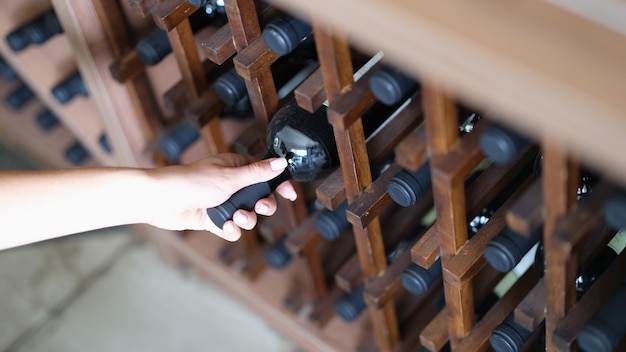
[(330, 224), (284, 34), (76, 154), (46, 120), (230, 87), (389, 86), (406, 187), (349, 306), (500, 144), (277, 256), (18, 40), (7, 72), (154, 47), (615, 211), (178, 139), (104, 143), (43, 28), (505, 338), (19, 97), (502, 254), (69, 88), (593, 338), (416, 279), (198, 3)]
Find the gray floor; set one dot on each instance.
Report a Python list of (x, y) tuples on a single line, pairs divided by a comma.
[(109, 291)]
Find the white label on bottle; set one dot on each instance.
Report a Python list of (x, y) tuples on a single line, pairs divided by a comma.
[(619, 241)]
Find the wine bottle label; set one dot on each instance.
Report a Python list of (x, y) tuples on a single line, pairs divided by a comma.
[(619, 241)]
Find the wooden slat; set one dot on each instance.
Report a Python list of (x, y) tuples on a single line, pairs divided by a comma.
[(126, 66), (531, 311), (169, 14), (411, 151), (254, 59), (310, 94), (527, 214), (220, 47), (435, 334)]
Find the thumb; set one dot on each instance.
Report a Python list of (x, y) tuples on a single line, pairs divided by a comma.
[(256, 172)]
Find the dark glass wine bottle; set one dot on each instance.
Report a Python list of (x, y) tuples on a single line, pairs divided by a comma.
[(615, 210), (46, 120), (36, 31), (19, 97), (391, 85), (506, 249), (76, 154), (155, 46), (307, 142), (509, 336), (604, 330), (69, 88), (211, 7), (277, 255), (331, 223), (7, 72), (285, 33), (174, 142), (501, 144), (406, 187), (351, 304), (103, 140)]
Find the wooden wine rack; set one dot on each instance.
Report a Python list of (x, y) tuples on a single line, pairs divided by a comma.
[(537, 67)]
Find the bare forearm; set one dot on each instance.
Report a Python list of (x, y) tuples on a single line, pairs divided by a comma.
[(36, 206)]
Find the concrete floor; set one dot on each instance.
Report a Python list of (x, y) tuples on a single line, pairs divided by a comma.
[(109, 291)]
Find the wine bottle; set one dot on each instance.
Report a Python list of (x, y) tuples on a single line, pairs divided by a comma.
[(351, 304), (7, 72), (174, 142), (285, 33), (19, 97), (46, 120), (406, 187), (211, 7), (390, 85), (604, 330), (501, 144), (103, 140), (76, 154), (509, 336), (153, 48), (615, 210), (505, 250), (277, 255), (230, 87), (69, 88), (331, 223), (36, 31)]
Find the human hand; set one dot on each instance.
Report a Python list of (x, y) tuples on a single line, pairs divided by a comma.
[(188, 190)]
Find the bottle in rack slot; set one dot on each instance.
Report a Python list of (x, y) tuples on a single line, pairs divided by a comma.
[(103, 140), (277, 255), (76, 154), (604, 330), (406, 187), (211, 7), (19, 97), (351, 304), (36, 31), (505, 250), (509, 336), (69, 88), (391, 85), (7, 72), (501, 144), (177, 139), (615, 210), (46, 120), (288, 72), (155, 46), (285, 33), (307, 141)]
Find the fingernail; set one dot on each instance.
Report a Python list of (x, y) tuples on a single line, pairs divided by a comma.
[(240, 218), (292, 196), (229, 228), (262, 208), (278, 164)]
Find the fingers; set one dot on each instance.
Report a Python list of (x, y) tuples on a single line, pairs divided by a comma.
[(256, 172)]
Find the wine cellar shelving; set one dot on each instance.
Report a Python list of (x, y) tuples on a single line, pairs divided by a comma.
[(555, 79)]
